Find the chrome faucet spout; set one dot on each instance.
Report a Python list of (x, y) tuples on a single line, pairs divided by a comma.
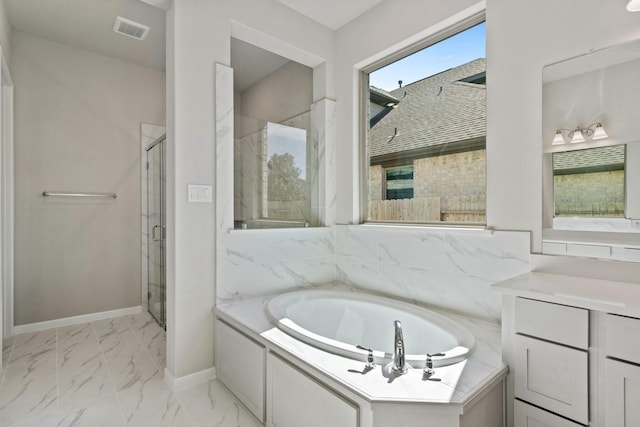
[(398, 364)]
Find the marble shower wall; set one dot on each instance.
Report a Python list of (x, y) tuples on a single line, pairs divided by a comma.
[(148, 134), (450, 269), (252, 263)]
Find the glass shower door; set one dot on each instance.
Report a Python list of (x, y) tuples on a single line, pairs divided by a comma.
[(156, 230)]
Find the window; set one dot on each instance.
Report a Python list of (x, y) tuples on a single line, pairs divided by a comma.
[(399, 183), (426, 121)]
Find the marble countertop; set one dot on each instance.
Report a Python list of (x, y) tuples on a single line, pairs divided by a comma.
[(458, 384), (593, 294)]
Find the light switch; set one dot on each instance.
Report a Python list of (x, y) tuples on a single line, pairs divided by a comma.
[(199, 193)]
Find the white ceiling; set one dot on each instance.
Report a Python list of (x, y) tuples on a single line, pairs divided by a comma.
[(87, 24), (331, 13)]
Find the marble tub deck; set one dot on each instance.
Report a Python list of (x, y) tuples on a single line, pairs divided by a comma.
[(104, 373)]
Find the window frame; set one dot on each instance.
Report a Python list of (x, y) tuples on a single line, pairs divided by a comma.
[(363, 117)]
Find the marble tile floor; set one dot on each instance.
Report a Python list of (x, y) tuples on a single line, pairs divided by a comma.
[(105, 373)]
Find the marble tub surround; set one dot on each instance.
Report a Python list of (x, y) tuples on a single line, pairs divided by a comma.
[(459, 382), (255, 263), (104, 373), (447, 268)]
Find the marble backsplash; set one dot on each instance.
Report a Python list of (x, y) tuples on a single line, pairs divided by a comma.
[(256, 263), (448, 268)]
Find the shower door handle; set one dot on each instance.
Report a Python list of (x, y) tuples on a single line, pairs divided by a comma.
[(159, 230)]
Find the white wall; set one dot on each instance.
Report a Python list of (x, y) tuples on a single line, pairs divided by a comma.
[(199, 35), (519, 45), (77, 128), (5, 32)]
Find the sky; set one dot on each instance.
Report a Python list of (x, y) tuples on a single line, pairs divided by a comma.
[(456, 50)]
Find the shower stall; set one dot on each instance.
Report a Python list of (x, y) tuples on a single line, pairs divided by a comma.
[(156, 293)]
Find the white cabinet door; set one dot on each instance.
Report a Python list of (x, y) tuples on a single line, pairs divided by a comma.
[(240, 366), (622, 394), (295, 400), (552, 377), (529, 416), (622, 340)]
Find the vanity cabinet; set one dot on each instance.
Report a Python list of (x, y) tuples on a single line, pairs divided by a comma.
[(622, 371), (573, 344), (551, 363)]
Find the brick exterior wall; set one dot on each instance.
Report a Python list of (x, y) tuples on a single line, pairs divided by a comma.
[(460, 174), (589, 194), (457, 180)]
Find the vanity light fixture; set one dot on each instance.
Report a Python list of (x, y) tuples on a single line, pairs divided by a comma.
[(633, 6), (593, 131)]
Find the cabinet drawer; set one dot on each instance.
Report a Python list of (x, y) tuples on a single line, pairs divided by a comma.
[(622, 394), (240, 365), (554, 248), (631, 254), (553, 322), (552, 376), (294, 399), (592, 251), (529, 416), (622, 338)]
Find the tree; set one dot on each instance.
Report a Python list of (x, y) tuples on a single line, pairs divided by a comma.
[(284, 183)]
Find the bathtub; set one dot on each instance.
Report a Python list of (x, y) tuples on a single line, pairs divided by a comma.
[(338, 321)]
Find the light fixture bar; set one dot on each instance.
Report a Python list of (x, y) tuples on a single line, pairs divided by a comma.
[(578, 135)]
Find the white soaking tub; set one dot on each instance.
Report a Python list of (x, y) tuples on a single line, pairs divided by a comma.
[(338, 321)]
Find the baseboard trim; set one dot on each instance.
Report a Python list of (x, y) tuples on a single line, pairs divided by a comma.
[(75, 320), (190, 380)]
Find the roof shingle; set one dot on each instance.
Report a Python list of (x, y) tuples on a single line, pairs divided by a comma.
[(436, 110)]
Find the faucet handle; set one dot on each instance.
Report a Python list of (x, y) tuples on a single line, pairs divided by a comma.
[(370, 363), (428, 367)]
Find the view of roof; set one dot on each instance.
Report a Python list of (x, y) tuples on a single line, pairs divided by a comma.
[(590, 158), (433, 111)]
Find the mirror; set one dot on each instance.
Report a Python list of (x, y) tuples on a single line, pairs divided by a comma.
[(591, 145), (273, 153)]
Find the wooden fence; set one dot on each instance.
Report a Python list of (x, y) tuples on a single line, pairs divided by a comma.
[(431, 209), (405, 210)]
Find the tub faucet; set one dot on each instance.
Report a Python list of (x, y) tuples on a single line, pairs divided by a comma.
[(398, 364)]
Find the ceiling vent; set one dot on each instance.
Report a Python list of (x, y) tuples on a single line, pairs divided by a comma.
[(129, 28)]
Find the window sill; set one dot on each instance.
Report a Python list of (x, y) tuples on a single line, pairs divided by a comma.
[(443, 228), (276, 230)]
